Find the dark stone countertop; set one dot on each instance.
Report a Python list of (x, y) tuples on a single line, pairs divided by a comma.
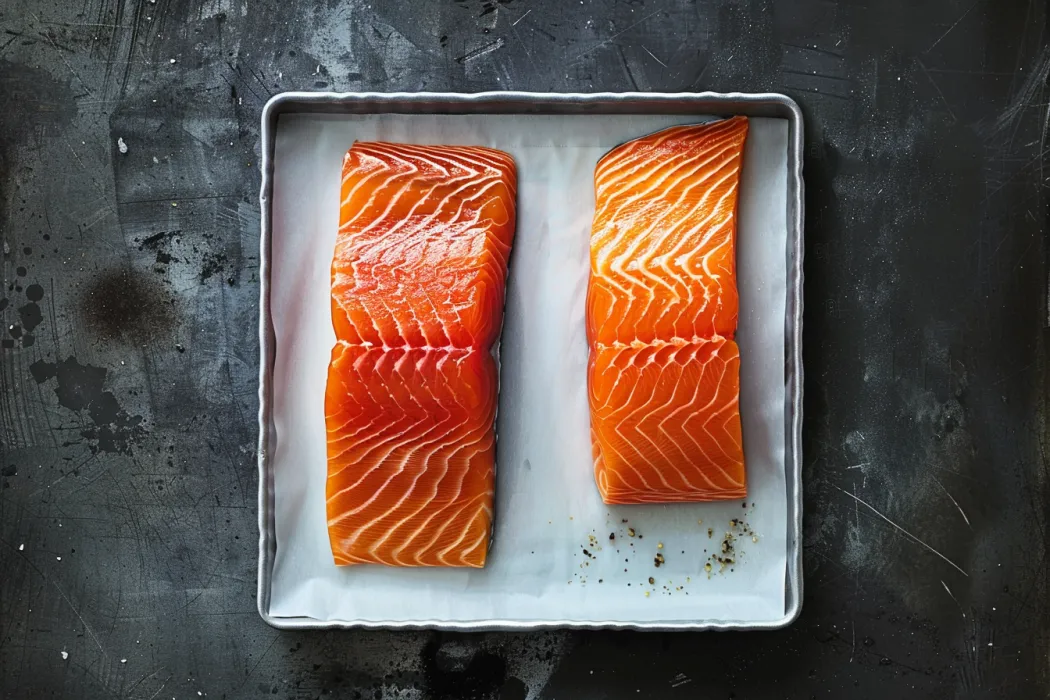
[(129, 346)]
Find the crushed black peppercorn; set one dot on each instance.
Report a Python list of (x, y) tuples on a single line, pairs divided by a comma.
[(727, 555)]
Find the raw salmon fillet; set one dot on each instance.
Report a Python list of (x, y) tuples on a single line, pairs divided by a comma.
[(666, 425), (418, 282), (662, 306)]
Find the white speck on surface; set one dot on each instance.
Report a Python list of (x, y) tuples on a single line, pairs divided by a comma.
[(7, 248), (121, 146), (173, 61), (22, 546), (65, 654), (155, 160), (58, 558), (123, 661)]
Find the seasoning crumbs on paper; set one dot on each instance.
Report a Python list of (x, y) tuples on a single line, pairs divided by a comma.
[(725, 557)]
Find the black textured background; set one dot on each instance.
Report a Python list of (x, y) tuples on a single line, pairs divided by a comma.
[(129, 343)]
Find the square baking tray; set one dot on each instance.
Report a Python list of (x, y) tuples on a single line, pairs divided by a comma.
[(519, 103)]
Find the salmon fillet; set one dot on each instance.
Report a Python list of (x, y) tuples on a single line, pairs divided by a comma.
[(666, 424), (662, 306), (418, 281)]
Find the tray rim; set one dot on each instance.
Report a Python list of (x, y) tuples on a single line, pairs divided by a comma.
[(511, 102)]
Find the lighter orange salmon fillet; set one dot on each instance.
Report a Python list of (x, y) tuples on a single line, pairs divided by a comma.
[(662, 306), (666, 422), (663, 253), (418, 281)]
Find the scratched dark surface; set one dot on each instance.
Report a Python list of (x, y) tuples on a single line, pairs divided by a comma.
[(129, 346)]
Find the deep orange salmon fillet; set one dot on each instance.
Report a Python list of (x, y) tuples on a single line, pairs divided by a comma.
[(418, 281), (662, 306)]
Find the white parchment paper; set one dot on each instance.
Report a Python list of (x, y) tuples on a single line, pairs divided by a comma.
[(547, 506)]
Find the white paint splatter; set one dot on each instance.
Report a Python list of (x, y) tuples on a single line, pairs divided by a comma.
[(65, 654), (21, 547), (121, 146)]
